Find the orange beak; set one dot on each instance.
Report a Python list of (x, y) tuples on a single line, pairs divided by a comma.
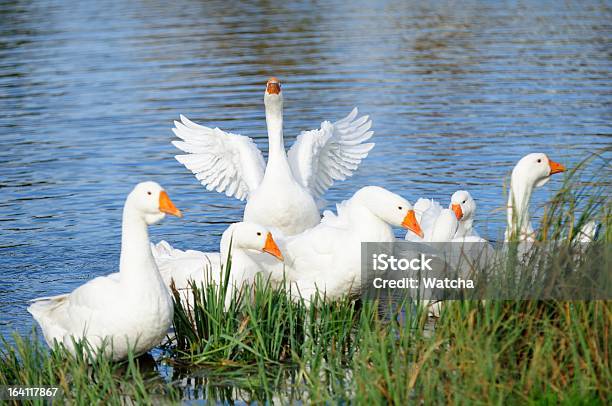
[(555, 167), (457, 209), (410, 222), (271, 248), (166, 205), (273, 86)]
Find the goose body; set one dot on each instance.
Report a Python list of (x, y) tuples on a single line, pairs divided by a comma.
[(283, 193), (131, 309), (327, 257)]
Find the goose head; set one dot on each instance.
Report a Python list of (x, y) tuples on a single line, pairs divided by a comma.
[(273, 95), (535, 169), (251, 236), (463, 205), (151, 202), (389, 207)]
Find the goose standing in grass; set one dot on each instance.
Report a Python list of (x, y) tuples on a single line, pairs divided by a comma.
[(452, 225), (283, 193), (328, 256), (131, 309), (242, 240)]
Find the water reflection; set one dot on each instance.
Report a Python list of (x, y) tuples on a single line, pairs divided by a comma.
[(286, 384)]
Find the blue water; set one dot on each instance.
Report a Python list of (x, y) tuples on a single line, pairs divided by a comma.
[(457, 93)]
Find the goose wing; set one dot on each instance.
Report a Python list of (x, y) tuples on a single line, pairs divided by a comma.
[(333, 152), (64, 315), (225, 162)]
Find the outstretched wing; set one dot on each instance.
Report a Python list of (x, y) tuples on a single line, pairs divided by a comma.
[(333, 152), (221, 161)]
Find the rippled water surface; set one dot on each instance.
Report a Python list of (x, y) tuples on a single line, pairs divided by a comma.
[(457, 93)]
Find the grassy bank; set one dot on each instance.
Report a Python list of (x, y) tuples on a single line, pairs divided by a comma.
[(500, 352), (27, 361), (497, 352), (263, 346)]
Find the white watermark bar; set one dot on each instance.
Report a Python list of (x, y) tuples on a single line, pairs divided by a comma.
[(476, 271), (19, 392)]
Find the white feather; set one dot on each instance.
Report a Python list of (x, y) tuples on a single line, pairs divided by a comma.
[(333, 152), (225, 162)]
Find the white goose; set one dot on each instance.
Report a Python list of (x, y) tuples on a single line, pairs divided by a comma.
[(242, 240), (443, 225), (455, 225), (328, 256), (464, 206), (531, 171), (128, 309), (282, 193)]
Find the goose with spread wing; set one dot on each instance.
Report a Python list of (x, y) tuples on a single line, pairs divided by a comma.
[(281, 194)]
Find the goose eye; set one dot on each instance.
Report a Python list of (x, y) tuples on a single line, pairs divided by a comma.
[(149, 193), (539, 160), (464, 201), (258, 233), (399, 207)]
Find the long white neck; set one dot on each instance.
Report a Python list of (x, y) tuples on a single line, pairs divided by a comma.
[(465, 226), (243, 265), (518, 220), (136, 262), (277, 157), (227, 247), (367, 225)]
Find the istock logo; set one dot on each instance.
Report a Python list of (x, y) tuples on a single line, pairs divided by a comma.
[(385, 262)]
